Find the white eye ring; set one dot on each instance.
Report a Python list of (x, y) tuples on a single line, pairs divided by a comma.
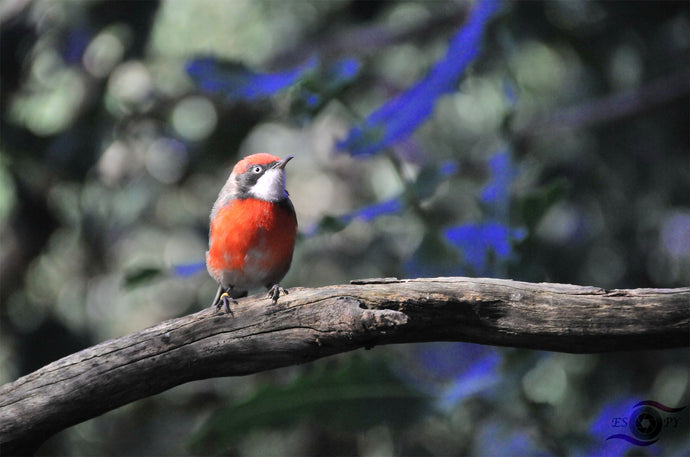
[(257, 169)]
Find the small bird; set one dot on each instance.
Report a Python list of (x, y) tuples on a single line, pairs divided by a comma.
[(252, 231)]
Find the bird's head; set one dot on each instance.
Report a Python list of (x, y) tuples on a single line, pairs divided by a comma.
[(259, 176)]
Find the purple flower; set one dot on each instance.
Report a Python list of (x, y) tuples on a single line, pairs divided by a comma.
[(478, 241), (496, 193), (452, 371), (237, 82), (345, 69), (189, 269), (609, 421), (499, 438), (399, 117), (76, 43), (370, 212)]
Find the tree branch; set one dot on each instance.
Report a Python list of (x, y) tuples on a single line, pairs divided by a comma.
[(367, 39), (312, 323), (609, 108)]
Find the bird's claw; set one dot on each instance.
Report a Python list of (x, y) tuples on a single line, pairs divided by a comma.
[(275, 291), (224, 301)]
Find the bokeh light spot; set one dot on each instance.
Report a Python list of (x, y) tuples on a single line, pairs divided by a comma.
[(166, 160), (102, 54), (131, 85), (194, 118), (546, 382)]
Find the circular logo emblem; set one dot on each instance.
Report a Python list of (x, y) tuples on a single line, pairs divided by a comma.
[(645, 423)]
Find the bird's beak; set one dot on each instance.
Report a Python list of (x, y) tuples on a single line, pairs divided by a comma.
[(281, 163)]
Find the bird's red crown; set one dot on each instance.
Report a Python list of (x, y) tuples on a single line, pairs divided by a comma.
[(254, 159)]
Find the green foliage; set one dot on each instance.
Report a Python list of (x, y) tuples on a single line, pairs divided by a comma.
[(141, 275), (353, 396), (534, 205)]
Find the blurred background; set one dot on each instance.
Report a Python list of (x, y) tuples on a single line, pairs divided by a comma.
[(538, 141)]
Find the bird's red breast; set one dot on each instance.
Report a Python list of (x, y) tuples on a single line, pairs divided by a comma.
[(251, 242)]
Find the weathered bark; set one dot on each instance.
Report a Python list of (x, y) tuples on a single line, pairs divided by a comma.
[(309, 324)]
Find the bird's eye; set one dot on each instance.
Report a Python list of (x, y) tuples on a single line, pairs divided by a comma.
[(257, 169)]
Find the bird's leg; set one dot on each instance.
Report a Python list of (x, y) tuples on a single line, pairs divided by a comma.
[(223, 299), (216, 299), (274, 292)]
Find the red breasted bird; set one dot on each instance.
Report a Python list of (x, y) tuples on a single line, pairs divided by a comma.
[(253, 229)]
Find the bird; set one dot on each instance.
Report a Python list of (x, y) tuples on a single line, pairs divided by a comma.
[(252, 230)]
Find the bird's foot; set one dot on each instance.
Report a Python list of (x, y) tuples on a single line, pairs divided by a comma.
[(275, 291), (224, 301)]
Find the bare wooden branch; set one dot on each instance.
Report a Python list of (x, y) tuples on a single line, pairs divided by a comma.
[(311, 323)]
